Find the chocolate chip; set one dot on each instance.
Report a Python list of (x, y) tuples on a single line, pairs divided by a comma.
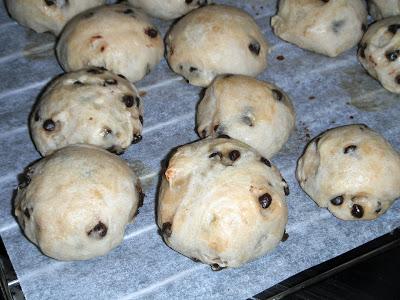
[(361, 50), (350, 148), (110, 81), (141, 119), (357, 211), (196, 260), (37, 116), (188, 1), (393, 28), (265, 200), (397, 79), (136, 138), (337, 200), (247, 120), (216, 267), (137, 100), (234, 155), (106, 131), (99, 231), (167, 229), (96, 70), (266, 161), (24, 180), (49, 2), (286, 188), (224, 136), (337, 25), (79, 83), (216, 127), (26, 213), (215, 154), (203, 133), (277, 94), (255, 47), (49, 125), (128, 100), (285, 237), (392, 55), (193, 69), (122, 76), (379, 207), (151, 32), (140, 193)]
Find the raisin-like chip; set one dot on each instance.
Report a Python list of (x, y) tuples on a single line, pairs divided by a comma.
[(337, 200), (167, 229), (151, 32), (99, 231), (136, 138), (357, 211), (49, 125), (234, 155), (265, 200), (350, 148), (255, 47), (128, 100), (266, 162)]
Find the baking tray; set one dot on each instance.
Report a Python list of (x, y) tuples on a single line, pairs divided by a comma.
[(326, 92)]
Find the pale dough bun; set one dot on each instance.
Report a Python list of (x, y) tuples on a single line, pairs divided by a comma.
[(380, 9), (75, 203), (325, 27), (222, 203), (255, 112), (167, 9), (48, 15), (116, 37), (351, 170), (91, 106), (213, 40), (379, 53)]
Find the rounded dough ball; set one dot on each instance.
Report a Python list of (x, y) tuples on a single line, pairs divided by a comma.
[(252, 111), (326, 27), (213, 40), (221, 203), (167, 9), (47, 15), (351, 170), (380, 9), (379, 53), (115, 37), (91, 106), (75, 203)]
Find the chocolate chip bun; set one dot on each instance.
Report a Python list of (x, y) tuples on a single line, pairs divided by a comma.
[(380, 9), (213, 40), (222, 203), (326, 27), (91, 106), (255, 112), (379, 53), (115, 37), (351, 170), (47, 15), (167, 10), (75, 203)]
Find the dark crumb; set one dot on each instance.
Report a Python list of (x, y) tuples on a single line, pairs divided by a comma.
[(311, 98), (308, 136), (280, 57), (351, 117), (333, 122), (142, 93)]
